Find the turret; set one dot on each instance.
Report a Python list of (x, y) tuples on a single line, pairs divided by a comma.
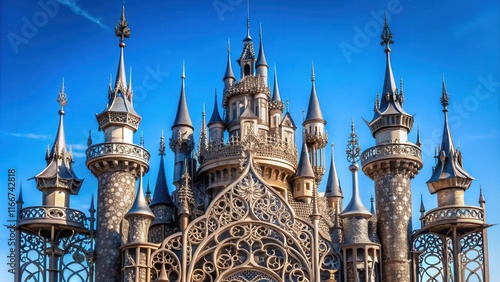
[(449, 179), (391, 164), (181, 141), (58, 180), (139, 217), (315, 134), (303, 183), (117, 163), (361, 251), (216, 126), (261, 63)]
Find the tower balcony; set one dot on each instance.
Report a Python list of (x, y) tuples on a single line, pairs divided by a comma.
[(441, 219), (43, 218), (121, 155), (407, 157), (221, 161)]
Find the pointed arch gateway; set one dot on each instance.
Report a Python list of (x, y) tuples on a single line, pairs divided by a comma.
[(249, 233)]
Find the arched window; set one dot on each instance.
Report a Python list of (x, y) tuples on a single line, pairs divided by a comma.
[(233, 106), (246, 70)]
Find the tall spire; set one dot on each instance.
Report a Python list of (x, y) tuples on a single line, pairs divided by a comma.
[(448, 172), (276, 91), (161, 194), (313, 110), (248, 37), (332, 185), (389, 84), (182, 117), (122, 31), (203, 130), (261, 58), (229, 69), (355, 206)]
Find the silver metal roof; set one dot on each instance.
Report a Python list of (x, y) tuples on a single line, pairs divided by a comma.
[(313, 110), (304, 168), (182, 117), (215, 118), (333, 188), (140, 205)]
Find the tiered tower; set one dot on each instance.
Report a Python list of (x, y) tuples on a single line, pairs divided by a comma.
[(392, 163), (455, 231), (360, 244), (117, 163)]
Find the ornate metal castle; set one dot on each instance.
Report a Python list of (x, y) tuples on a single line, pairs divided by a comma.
[(246, 206)]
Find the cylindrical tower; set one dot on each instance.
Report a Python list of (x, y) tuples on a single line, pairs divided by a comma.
[(117, 163), (392, 163)]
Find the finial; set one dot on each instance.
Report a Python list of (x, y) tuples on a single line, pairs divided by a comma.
[(401, 93), (445, 98), (122, 30), (47, 154), (162, 144), (287, 105), (418, 143), (248, 22), (313, 77), (183, 75), (110, 80), (89, 140), (372, 206), (229, 45), (481, 197), (62, 99), (148, 193), (141, 142), (386, 35), (353, 149), (422, 208), (92, 208), (20, 197)]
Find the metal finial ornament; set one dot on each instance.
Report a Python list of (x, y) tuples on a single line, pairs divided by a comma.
[(122, 30), (183, 75), (313, 76), (89, 140), (353, 149), (445, 98), (62, 99), (162, 144), (386, 35)]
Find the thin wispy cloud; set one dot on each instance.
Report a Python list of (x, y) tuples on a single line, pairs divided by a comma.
[(81, 12), (28, 135), (78, 150)]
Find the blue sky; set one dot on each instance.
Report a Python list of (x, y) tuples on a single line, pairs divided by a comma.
[(44, 41)]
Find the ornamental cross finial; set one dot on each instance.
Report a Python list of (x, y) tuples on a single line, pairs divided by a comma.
[(122, 30), (386, 34), (62, 99), (353, 149)]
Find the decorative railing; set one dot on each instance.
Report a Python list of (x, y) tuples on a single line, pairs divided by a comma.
[(390, 150), (261, 146), (248, 84), (114, 149), (43, 213), (453, 213)]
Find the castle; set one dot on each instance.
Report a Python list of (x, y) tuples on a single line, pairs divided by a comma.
[(246, 205)]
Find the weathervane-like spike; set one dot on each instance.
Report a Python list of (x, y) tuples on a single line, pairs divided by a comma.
[(183, 75), (353, 148), (162, 144), (122, 30), (89, 139), (386, 35), (313, 76), (445, 98), (62, 99)]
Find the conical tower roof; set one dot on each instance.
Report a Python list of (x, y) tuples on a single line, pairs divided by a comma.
[(140, 206), (304, 168), (261, 57), (314, 113), (215, 114), (276, 91), (182, 117), (333, 185), (161, 195), (229, 69)]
